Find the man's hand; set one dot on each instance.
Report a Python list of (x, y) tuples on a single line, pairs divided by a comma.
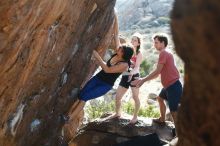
[(138, 83)]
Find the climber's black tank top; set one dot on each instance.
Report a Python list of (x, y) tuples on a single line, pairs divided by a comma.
[(109, 78)]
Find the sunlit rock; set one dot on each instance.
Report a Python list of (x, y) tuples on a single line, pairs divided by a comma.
[(45, 54)]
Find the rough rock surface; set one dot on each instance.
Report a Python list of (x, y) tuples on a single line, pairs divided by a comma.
[(110, 132), (45, 56), (195, 28)]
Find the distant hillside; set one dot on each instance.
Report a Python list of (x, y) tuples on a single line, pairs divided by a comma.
[(142, 13), (146, 17)]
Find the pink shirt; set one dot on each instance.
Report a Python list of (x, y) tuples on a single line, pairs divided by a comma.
[(169, 72), (134, 58)]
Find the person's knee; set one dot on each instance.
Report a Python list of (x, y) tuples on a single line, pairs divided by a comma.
[(136, 99), (118, 98), (173, 105), (118, 102)]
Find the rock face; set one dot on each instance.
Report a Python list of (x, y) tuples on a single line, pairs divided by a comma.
[(111, 132), (195, 28), (44, 58)]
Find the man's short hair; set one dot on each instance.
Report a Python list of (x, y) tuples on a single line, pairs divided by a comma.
[(162, 38)]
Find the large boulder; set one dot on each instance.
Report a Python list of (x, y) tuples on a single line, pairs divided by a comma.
[(104, 132), (45, 54), (195, 28)]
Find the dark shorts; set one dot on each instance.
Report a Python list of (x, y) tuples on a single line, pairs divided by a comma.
[(172, 94), (124, 81), (94, 88)]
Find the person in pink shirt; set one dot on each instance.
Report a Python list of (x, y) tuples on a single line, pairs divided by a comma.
[(172, 88)]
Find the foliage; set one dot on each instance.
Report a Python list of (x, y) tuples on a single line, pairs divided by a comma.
[(148, 111), (145, 68), (164, 20), (128, 108), (101, 107)]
